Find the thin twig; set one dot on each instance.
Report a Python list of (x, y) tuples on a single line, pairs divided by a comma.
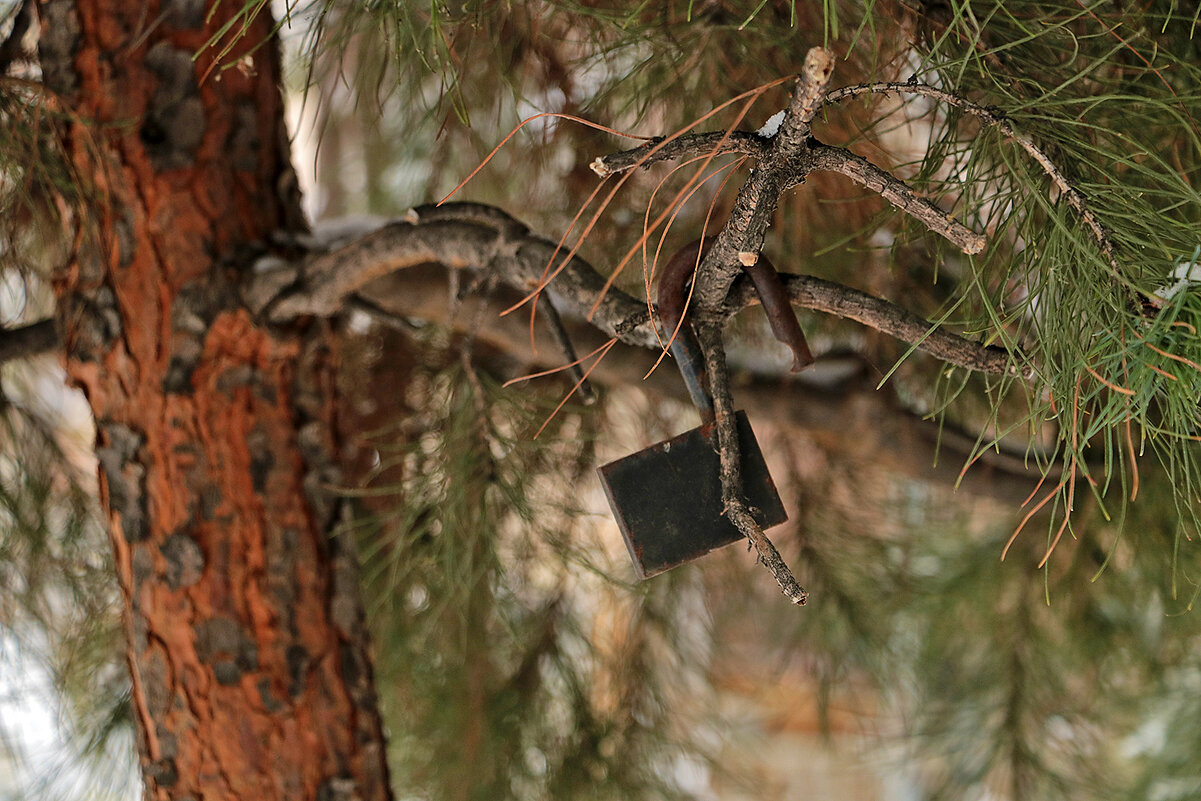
[(381, 315), (685, 147), (555, 324), (990, 117), (732, 495), (898, 193)]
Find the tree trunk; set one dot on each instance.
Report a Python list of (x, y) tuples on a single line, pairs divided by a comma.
[(245, 640)]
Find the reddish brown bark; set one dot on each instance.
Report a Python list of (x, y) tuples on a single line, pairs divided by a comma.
[(246, 649)]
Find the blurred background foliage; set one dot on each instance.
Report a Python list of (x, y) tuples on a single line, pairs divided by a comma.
[(515, 655)]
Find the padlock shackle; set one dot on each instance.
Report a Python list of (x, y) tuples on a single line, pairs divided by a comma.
[(690, 360), (685, 349)]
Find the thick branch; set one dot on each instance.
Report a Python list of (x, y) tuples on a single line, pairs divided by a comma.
[(485, 238), (328, 279), (741, 239), (463, 240)]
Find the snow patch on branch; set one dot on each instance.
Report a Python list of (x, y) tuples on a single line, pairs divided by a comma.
[(772, 126), (1186, 274)]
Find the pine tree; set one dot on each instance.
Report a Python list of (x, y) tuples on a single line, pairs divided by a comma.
[(984, 211)]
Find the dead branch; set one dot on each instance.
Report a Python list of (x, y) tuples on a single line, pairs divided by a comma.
[(754, 208), (1074, 196), (809, 292), (732, 496), (898, 193), (485, 238), (681, 149)]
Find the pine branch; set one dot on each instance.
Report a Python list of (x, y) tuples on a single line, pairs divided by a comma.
[(732, 496), (741, 238), (898, 193), (481, 237), (992, 118)]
